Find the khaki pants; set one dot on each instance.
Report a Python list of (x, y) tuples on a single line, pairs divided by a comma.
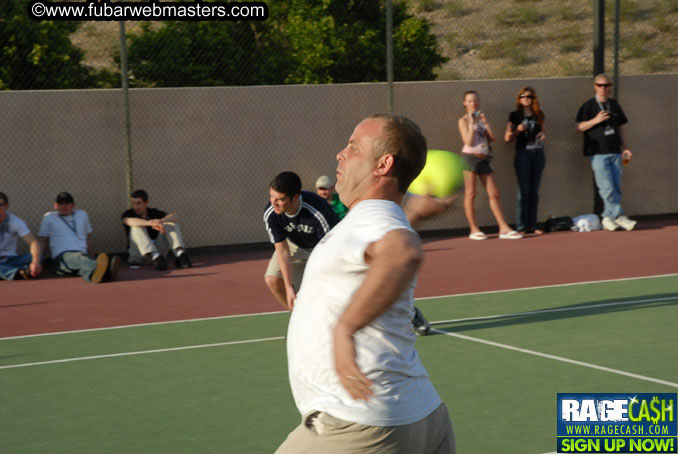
[(141, 247), (299, 257), (320, 433)]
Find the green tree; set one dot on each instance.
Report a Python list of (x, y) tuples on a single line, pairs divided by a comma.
[(302, 41), (39, 54)]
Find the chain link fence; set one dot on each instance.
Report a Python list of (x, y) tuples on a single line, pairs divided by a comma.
[(276, 96)]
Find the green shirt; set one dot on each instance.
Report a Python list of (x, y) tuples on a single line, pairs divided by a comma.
[(338, 207)]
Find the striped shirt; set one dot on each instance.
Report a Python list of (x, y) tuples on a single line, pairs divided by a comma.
[(306, 227)]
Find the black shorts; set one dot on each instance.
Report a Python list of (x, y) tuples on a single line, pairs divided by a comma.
[(477, 165)]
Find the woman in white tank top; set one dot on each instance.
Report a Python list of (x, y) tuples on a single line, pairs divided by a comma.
[(476, 135)]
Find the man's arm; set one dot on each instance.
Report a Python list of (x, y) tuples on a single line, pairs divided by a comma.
[(394, 261), (36, 251), (42, 242), (420, 207), (588, 124), (171, 217), (626, 153), (156, 224), (282, 250), (136, 222)]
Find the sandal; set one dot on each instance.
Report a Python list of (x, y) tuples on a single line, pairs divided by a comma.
[(478, 236), (512, 235)]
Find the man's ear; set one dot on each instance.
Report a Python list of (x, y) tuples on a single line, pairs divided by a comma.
[(385, 165)]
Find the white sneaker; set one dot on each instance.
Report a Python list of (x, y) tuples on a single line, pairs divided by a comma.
[(626, 223), (610, 225)]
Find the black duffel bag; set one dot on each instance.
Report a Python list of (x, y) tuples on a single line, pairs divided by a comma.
[(557, 224)]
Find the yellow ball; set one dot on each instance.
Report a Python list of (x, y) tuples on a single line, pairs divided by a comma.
[(442, 175)]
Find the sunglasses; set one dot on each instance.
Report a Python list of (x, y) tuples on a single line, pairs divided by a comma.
[(603, 85), (526, 96)]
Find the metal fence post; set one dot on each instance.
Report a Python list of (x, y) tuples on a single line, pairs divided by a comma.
[(389, 54), (616, 49), (598, 37), (125, 97), (598, 68)]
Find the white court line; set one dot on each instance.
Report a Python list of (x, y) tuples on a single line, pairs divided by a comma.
[(560, 309), (557, 358), (138, 325), (113, 355), (546, 286), (145, 352), (282, 312)]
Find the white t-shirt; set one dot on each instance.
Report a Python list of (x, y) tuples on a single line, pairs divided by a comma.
[(385, 348), (15, 227), (66, 233)]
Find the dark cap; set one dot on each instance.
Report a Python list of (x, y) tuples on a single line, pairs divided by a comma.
[(64, 197)]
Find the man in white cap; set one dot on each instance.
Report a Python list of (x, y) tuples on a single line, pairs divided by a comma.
[(325, 189)]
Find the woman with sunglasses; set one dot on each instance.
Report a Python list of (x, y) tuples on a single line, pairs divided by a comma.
[(526, 126), (476, 134)]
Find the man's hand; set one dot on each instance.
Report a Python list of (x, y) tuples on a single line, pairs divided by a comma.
[(36, 268), (291, 295), (602, 116), (158, 225), (627, 155), (357, 384)]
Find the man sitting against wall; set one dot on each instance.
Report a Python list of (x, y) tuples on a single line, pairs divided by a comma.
[(12, 264), (151, 233), (69, 234)]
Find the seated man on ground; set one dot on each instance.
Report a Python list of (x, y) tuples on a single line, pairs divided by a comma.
[(68, 232), (151, 233), (12, 264)]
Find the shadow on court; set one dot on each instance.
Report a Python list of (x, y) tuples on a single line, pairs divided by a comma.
[(7, 306), (586, 309)]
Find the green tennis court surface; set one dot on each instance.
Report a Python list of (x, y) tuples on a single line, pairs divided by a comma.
[(141, 390)]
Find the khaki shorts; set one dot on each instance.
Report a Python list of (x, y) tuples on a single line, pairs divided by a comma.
[(299, 258), (322, 433)]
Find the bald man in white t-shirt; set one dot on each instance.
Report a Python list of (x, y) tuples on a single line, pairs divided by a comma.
[(355, 375)]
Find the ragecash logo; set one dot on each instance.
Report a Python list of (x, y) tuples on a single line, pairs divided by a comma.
[(617, 423)]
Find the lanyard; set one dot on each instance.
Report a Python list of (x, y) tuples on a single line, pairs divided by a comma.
[(603, 106), (74, 227)]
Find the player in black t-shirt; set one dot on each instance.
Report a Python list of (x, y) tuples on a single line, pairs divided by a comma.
[(602, 121), (151, 233), (296, 221)]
